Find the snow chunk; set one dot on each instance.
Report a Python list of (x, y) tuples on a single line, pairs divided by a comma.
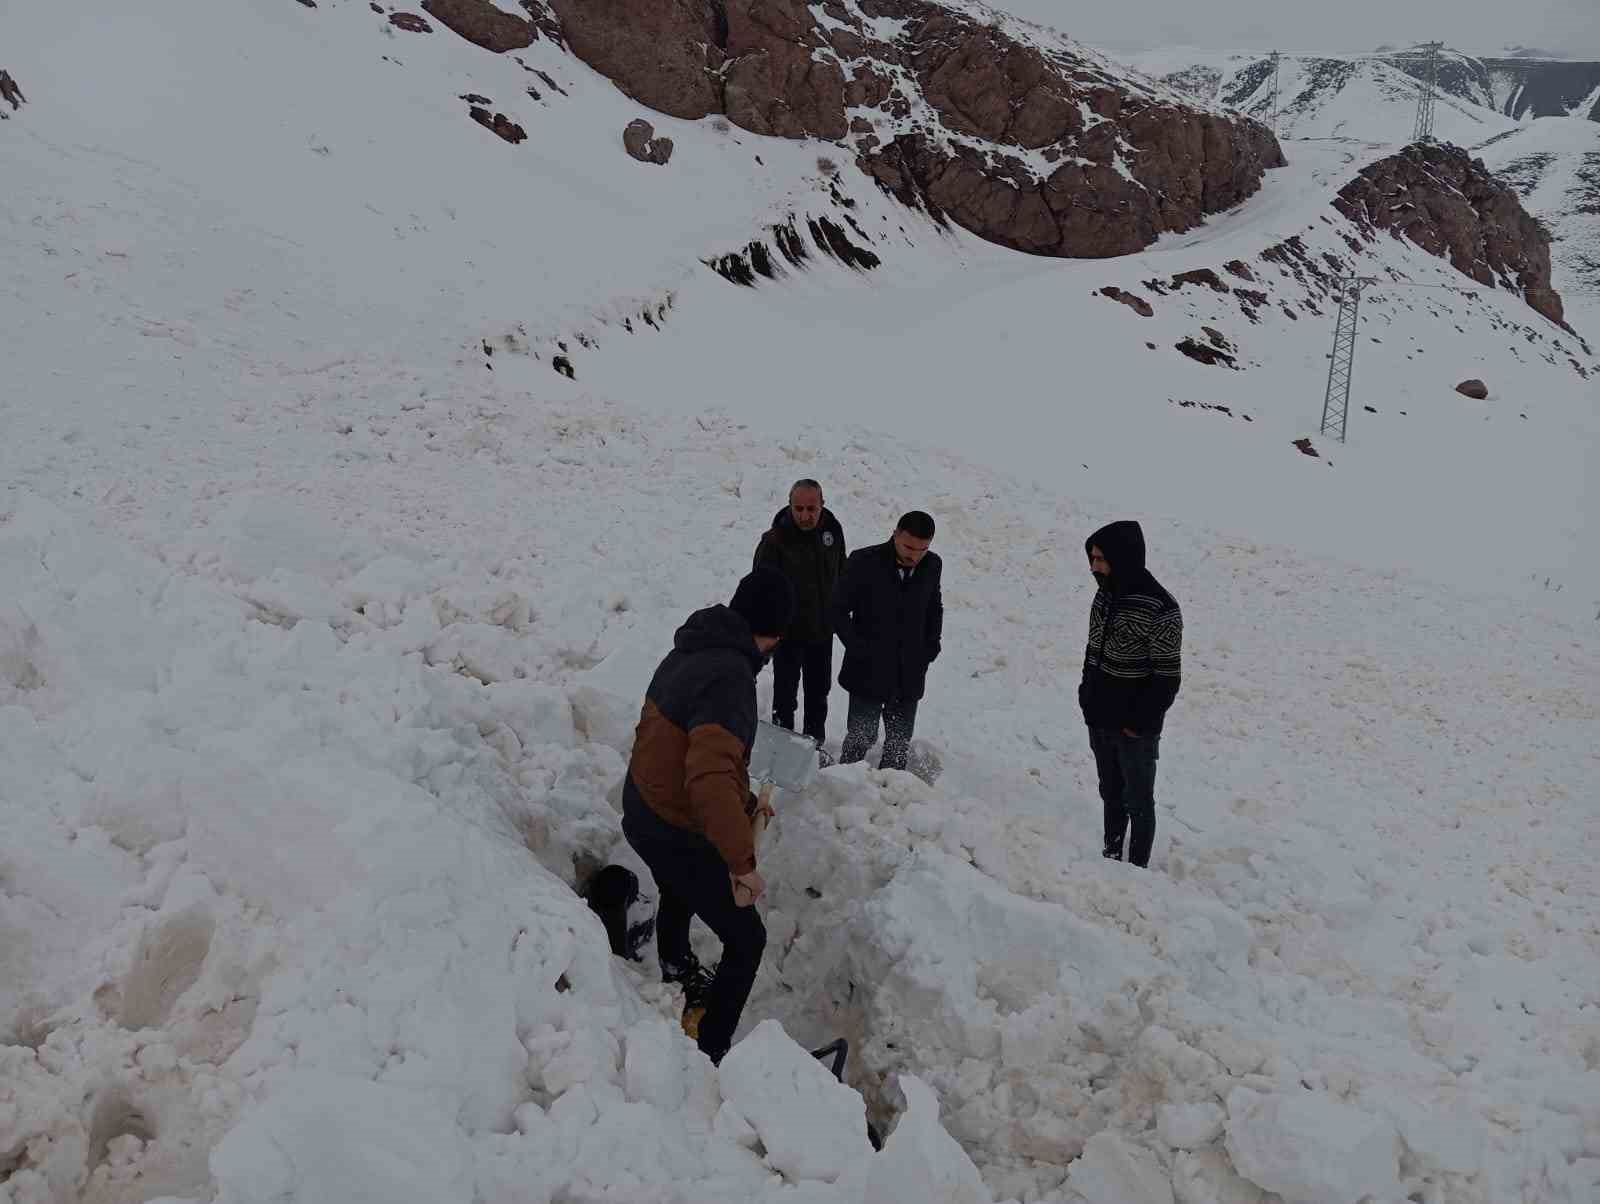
[(1189, 1126), (920, 1161), (1310, 1148), (813, 1127), (1113, 1172)]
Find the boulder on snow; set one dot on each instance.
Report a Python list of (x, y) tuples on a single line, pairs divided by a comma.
[(410, 22), (639, 140), (482, 23), (1474, 389)]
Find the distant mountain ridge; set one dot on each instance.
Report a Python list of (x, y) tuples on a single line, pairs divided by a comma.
[(1517, 85)]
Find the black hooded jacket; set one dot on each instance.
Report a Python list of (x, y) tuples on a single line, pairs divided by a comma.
[(1131, 667), (812, 561)]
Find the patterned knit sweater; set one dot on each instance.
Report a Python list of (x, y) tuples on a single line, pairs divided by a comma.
[(1132, 665)]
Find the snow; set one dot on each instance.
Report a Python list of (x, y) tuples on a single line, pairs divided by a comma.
[(1328, 95), (323, 634)]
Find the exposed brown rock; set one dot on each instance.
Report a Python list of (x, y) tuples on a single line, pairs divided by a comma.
[(482, 23), (1203, 276), (1132, 300), (640, 141), (773, 82), (1122, 163), (1474, 389), (1452, 206), (662, 53), (499, 123), (1306, 449), (544, 20), (1204, 352), (410, 22), (1241, 269)]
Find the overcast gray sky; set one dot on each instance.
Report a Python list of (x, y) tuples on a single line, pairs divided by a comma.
[(1568, 27)]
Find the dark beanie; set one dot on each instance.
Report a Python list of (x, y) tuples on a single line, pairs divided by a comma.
[(766, 601)]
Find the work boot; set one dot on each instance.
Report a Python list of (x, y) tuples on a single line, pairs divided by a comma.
[(695, 980)]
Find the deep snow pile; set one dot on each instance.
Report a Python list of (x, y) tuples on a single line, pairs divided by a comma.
[(323, 627)]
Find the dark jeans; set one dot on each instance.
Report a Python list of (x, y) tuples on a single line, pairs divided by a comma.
[(692, 880), (1127, 767), (814, 661), (899, 720)]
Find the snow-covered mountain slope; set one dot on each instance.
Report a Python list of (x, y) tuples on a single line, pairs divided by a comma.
[(1330, 96), (1537, 86), (1554, 163), (1520, 89), (328, 598)]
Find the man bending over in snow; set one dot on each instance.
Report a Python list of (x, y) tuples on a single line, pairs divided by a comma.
[(1130, 677), (686, 804)]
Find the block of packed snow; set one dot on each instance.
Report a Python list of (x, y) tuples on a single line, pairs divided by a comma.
[(922, 1162), (1189, 1126), (1112, 1171), (811, 1125), (1311, 1149), (331, 1137)]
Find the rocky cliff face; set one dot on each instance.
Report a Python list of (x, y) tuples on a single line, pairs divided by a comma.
[(1024, 138), (1451, 205)]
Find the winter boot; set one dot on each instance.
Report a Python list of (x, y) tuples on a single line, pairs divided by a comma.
[(1112, 851), (695, 980)]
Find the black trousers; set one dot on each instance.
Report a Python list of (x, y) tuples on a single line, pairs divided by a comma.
[(793, 660), (692, 880), (1127, 769), (899, 721)]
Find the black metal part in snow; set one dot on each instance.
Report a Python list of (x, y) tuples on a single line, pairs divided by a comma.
[(609, 894), (838, 1050)]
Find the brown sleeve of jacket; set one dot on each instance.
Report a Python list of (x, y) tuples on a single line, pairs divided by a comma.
[(718, 785)]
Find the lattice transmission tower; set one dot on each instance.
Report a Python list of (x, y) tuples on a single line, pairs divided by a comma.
[(1427, 88), (1342, 363), (1277, 60)]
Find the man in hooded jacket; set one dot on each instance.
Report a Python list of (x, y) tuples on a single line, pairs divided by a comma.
[(806, 544), (1131, 674), (686, 803)]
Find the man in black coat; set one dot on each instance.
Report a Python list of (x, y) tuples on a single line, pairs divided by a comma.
[(806, 544), (1131, 674), (889, 615)]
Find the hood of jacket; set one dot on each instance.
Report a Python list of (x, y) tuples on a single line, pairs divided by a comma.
[(1122, 544), (718, 627)]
